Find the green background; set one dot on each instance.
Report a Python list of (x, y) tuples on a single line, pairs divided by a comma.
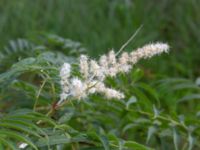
[(104, 24)]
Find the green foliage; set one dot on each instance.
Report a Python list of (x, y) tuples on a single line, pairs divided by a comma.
[(159, 114)]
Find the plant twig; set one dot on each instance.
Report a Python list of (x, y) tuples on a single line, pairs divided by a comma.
[(38, 94), (164, 119), (129, 40)]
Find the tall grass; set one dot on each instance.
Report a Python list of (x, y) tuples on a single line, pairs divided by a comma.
[(103, 24)]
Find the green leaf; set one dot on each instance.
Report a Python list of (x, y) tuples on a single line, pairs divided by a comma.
[(53, 140), (150, 90), (66, 117), (185, 86), (18, 137), (189, 97), (8, 143), (19, 128), (176, 138), (24, 123), (151, 131), (131, 100), (35, 117), (102, 138), (174, 81), (143, 100), (155, 111), (136, 146), (115, 142), (93, 148), (191, 141), (105, 142), (137, 74)]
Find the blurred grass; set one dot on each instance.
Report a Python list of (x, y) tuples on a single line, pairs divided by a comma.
[(104, 24)]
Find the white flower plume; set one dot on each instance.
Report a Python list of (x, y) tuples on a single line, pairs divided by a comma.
[(94, 72)]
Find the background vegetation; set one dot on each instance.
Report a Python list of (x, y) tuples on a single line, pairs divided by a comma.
[(161, 109)]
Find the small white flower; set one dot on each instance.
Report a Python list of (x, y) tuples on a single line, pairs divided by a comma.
[(113, 71), (103, 61), (65, 71), (134, 57), (65, 74), (100, 87), (92, 90), (124, 68), (108, 92), (63, 96), (95, 69), (65, 88), (111, 57), (23, 145), (91, 87), (111, 93), (84, 69), (77, 88), (124, 59)]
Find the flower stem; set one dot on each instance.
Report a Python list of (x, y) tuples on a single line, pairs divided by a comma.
[(38, 95)]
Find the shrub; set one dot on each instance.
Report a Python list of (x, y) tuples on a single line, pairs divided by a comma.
[(142, 114)]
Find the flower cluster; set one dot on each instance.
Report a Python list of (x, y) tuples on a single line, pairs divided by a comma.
[(94, 72)]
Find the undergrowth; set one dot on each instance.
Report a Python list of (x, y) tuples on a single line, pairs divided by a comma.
[(157, 113)]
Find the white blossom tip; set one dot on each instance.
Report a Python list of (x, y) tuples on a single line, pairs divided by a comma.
[(65, 70), (94, 72)]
